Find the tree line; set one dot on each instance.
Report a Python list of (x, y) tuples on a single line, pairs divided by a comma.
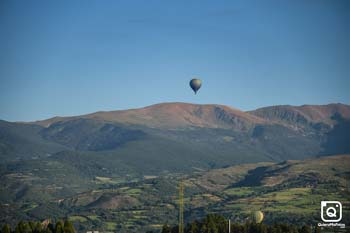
[(38, 227), (213, 223)]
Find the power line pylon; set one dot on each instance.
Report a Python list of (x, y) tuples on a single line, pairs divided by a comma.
[(181, 207)]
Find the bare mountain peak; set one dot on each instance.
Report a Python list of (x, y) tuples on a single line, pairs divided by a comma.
[(304, 113), (183, 115)]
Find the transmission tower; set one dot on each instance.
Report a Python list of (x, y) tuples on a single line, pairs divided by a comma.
[(181, 207)]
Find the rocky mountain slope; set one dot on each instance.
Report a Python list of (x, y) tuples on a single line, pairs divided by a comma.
[(181, 136)]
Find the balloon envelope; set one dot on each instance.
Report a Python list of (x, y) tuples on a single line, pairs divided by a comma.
[(195, 84), (257, 216)]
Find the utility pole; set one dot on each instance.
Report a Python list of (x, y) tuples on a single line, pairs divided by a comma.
[(181, 207), (229, 225)]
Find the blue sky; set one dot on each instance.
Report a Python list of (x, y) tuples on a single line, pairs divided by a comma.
[(75, 57)]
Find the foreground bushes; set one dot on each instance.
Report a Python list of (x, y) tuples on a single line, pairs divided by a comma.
[(38, 227), (218, 224), (210, 224)]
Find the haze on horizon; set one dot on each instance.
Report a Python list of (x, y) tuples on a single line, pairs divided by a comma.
[(70, 58)]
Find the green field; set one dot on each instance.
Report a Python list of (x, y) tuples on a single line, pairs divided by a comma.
[(286, 192)]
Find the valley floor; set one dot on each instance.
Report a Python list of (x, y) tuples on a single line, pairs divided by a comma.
[(290, 192)]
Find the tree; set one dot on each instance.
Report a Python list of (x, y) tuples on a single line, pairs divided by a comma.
[(192, 228), (68, 227), (31, 225), (38, 228), (59, 227), (47, 230), (6, 229), (305, 229), (166, 229), (211, 224), (23, 227), (50, 227), (237, 228)]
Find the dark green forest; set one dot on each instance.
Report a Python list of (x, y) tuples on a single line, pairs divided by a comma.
[(40, 227), (213, 223)]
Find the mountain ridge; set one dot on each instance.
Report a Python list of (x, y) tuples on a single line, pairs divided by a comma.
[(188, 135), (309, 113), (192, 115)]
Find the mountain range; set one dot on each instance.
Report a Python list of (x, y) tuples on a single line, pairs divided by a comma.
[(180, 137), (119, 170)]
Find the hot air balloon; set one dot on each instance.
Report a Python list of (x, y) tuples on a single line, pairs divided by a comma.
[(257, 216), (195, 84)]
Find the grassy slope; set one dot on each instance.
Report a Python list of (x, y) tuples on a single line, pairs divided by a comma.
[(22, 141), (289, 191)]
